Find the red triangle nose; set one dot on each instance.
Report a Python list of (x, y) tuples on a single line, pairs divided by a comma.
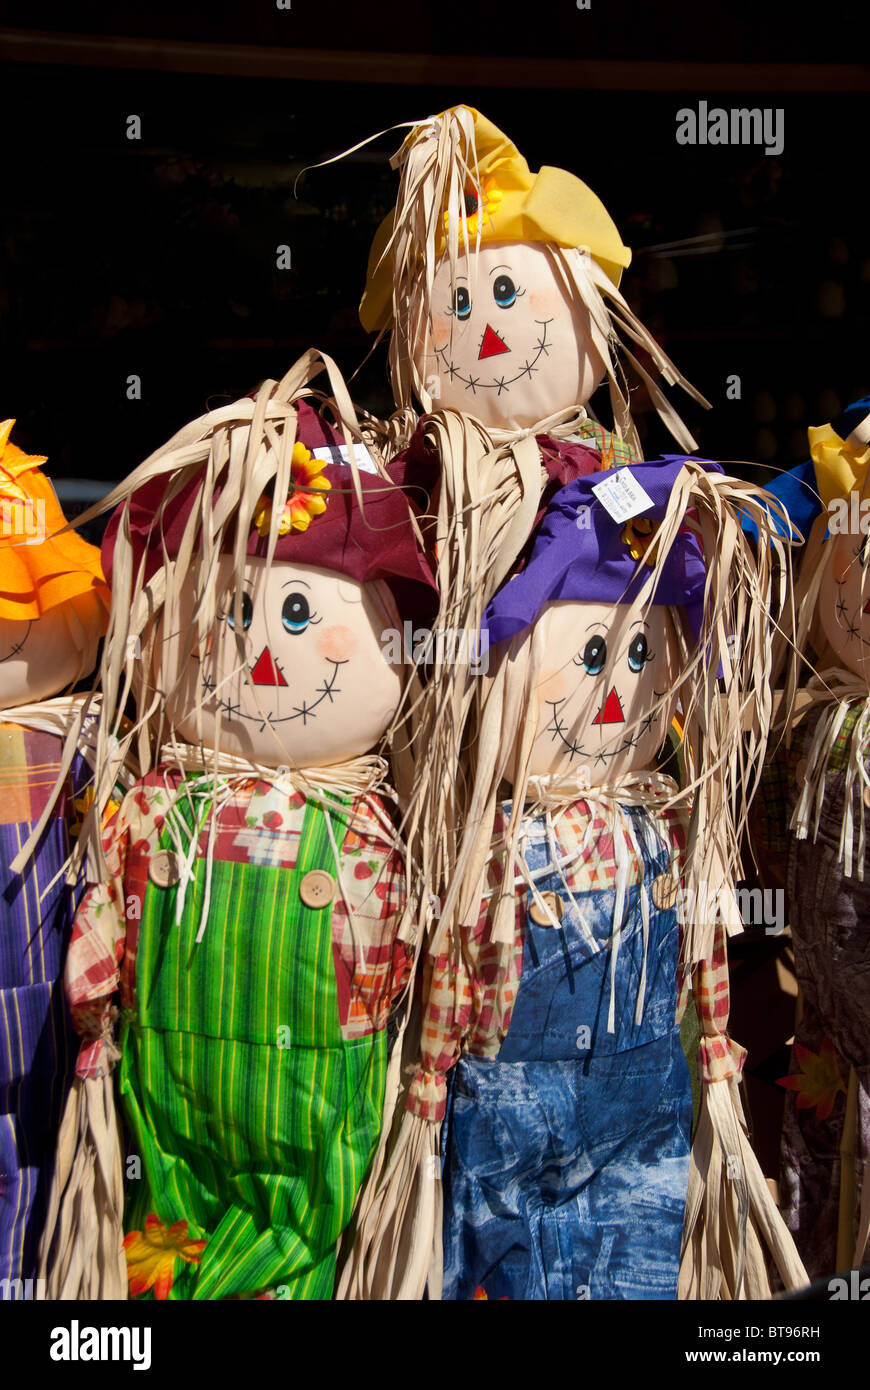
[(265, 670), (492, 344), (611, 711)]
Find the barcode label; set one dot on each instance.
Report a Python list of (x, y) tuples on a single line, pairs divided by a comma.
[(622, 496)]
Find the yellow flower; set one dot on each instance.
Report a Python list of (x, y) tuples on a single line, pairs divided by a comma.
[(303, 501), (638, 535), (818, 1081), (492, 198), (151, 1255)]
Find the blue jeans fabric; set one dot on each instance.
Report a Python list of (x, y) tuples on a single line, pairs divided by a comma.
[(566, 1156)]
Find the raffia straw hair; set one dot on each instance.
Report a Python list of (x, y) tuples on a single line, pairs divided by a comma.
[(240, 451), (437, 162), (724, 732), (833, 690)]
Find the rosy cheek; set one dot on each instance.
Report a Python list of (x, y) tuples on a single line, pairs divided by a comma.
[(544, 305), (552, 687), (336, 643), (440, 332)]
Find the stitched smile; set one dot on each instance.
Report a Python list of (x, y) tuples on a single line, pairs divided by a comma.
[(304, 711), (474, 384), (599, 755)]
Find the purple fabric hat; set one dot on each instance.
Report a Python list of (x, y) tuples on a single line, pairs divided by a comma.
[(581, 553)]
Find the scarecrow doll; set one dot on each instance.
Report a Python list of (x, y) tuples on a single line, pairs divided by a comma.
[(575, 929), (252, 908), (498, 288), (813, 819), (53, 610)]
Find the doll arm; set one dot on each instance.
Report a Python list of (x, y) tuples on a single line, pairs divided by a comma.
[(467, 995), (92, 971), (720, 1057), (373, 964), (446, 1018)]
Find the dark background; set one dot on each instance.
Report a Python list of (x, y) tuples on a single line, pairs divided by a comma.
[(157, 257)]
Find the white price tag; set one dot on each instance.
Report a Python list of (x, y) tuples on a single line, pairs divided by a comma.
[(339, 453), (622, 496)]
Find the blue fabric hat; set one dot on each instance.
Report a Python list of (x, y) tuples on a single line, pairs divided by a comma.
[(582, 554)]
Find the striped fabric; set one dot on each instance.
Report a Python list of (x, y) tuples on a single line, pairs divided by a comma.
[(37, 1045), (254, 1117)]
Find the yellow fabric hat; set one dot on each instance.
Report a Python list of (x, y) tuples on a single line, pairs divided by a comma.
[(840, 464), (38, 568), (515, 205)]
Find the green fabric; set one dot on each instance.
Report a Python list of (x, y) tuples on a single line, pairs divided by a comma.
[(690, 1038), (254, 1119)]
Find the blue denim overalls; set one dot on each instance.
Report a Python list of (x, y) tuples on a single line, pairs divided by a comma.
[(567, 1156)]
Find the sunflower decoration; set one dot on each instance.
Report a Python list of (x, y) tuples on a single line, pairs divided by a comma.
[(819, 1080), (303, 500), (81, 806), (475, 216), (151, 1256), (638, 535)]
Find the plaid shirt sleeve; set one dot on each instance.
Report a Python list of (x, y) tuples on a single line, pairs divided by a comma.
[(446, 1019), (372, 964), (709, 980), (93, 963), (467, 994), (720, 1057)]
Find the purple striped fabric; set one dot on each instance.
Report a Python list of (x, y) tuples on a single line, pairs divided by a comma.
[(37, 1044)]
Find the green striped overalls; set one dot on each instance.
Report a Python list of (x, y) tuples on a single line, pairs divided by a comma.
[(254, 1120)]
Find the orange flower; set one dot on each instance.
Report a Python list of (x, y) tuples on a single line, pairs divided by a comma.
[(14, 462), (480, 1292), (818, 1080), (303, 501), (151, 1255), (491, 197)]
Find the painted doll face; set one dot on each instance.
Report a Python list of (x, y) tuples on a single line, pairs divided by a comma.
[(844, 600), (604, 668), (320, 690), (505, 343), (37, 659)]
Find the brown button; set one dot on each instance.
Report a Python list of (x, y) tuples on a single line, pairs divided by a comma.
[(163, 868), (664, 891), (554, 903), (317, 888)]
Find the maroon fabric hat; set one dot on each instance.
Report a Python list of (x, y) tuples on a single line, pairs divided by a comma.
[(375, 543)]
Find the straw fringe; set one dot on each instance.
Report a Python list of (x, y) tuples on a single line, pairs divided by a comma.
[(242, 448), (731, 1217), (436, 163), (81, 1253), (398, 1233)]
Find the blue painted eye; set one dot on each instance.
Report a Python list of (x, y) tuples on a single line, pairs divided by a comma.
[(595, 655), (638, 652), (504, 291), (296, 614), (461, 302), (247, 612)]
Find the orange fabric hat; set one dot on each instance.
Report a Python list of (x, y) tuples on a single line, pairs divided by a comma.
[(39, 569)]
